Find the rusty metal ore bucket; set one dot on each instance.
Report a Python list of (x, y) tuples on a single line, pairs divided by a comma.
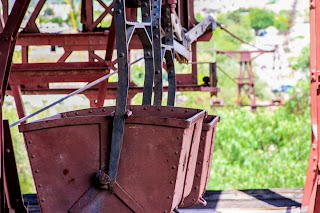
[(68, 150), (204, 162)]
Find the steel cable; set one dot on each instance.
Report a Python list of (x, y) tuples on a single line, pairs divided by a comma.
[(72, 94)]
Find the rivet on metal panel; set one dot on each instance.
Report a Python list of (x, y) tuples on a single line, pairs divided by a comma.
[(314, 169), (156, 36), (314, 158), (145, 4), (173, 167), (62, 115), (33, 156), (8, 150), (172, 110), (145, 14), (159, 109), (202, 138), (157, 72), (128, 114), (103, 110), (121, 55), (165, 212), (178, 138), (36, 171), (193, 199), (196, 187), (131, 108), (187, 110), (40, 185), (77, 113), (197, 175), (169, 197), (29, 142), (176, 152), (145, 108), (112, 114), (90, 111), (200, 150), (199, 163), (42, 200), (171, 182), (119, 12)]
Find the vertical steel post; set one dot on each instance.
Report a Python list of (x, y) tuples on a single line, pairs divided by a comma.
[(311, 195), (312, 165), (156, 25), (16, 90), (7, 41), (86, 14)]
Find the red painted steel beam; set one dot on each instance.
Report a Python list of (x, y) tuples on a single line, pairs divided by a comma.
[(109, 52), (311, 198), (312, 165), (31, 26), (79, 41), (5, 10), (16, 90), (86, 14), (111, 91), (12, 185), (7, 42)]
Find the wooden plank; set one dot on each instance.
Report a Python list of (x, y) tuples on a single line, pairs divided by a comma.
[(250, 199), (229, 201)]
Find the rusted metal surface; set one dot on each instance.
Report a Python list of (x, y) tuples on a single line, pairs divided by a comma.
[(152, 168), (204, 161), (12, 187), (8, 37), (311, 196)]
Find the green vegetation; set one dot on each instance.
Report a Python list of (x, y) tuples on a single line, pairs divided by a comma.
[(281, 22), (261, 18), (302, 62), (264, 149)]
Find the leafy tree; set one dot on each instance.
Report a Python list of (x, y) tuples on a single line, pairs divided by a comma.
[(239, 24), (57, 20), (48, 12), (281, 22), (261, 18), (302, 62), (232, 18)]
